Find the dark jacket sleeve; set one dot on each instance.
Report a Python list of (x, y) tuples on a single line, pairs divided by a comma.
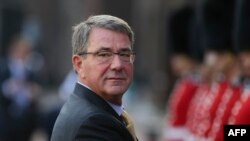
[(102, 127)]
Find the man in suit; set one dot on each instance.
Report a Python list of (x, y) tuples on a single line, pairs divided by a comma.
[(103, 61)]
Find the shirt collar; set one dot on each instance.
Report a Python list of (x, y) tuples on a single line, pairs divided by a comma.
[(117, 108)]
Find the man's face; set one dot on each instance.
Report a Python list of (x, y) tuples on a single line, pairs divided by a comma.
[(109, 79)]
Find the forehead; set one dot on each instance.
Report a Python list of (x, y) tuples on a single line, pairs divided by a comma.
[(101, 37)]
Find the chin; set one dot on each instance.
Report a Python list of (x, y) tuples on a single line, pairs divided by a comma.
[(116, 90)]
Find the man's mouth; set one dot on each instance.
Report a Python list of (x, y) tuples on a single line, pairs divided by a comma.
[(116, 78)]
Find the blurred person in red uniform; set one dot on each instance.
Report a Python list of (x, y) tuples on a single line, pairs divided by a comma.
[(223, 111), (216, 19), (184, 66), (219, 86), (240, 113), (231, 109)]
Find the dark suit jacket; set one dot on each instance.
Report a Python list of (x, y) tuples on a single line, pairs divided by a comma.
[(87, 117)]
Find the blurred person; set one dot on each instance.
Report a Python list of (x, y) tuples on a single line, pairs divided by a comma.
[(216, 83), (240, 113), (18, 92), (222, 110), (216, 18), (185, 66), (47, 116), (224, 89), (103, 61)]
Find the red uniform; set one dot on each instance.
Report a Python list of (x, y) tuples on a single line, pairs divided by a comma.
[(241, 109), (215, 101), (196, 109), (178, 104), (204, 113), (180, 100), (223, 112)]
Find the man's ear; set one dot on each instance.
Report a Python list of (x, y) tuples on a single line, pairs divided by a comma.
[(77, 64)]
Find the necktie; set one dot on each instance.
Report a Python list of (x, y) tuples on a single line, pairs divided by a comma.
[(129, 124)]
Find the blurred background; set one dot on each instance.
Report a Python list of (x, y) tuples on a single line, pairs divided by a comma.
[(36, 74)]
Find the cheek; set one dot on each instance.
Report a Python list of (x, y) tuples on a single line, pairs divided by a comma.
[(129, 71), (96, 72)]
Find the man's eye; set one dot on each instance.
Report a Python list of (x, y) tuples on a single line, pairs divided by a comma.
[(125, 54), (104, 54)]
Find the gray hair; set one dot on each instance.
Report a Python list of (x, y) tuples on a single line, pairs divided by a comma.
[(82, 30)]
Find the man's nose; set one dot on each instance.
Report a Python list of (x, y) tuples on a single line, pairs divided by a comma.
[(116, 62)]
